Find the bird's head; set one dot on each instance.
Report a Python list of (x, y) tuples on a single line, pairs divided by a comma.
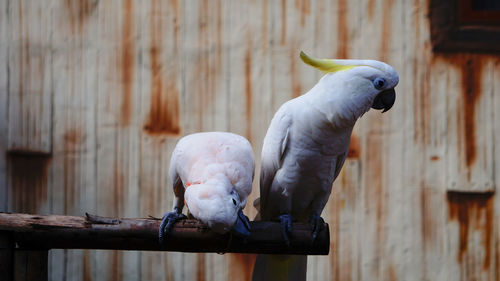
[(217, 205), (368, 83)]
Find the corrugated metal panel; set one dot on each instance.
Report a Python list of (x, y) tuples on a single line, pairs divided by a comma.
[(4, 54), (95, 95), (496, 200), (30, 80), (470, 138), (118, 128), (74, 185)]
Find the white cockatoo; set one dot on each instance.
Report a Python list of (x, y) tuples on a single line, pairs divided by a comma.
[(306, 145), (212, 173)]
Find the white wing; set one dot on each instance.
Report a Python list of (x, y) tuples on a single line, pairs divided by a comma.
[(273, 151)]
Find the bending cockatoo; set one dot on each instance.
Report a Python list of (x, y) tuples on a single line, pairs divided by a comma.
[(306, 145), (212, 173)]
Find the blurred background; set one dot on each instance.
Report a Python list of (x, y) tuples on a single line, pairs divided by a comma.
[(94, 95)]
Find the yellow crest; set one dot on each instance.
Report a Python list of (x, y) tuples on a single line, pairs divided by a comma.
[(325, 65)]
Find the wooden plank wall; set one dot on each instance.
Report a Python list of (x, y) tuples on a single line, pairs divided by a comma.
[(95, 94)]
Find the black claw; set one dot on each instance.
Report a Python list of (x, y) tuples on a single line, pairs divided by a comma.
[(317, 224), (168, 222), (286, 227)]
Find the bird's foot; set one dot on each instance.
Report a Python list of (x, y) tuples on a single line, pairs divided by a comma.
[(317, 224), (286, 227), (167, 222)]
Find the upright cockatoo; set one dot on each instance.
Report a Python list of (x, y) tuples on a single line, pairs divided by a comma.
[(306, 145), (212, 173)]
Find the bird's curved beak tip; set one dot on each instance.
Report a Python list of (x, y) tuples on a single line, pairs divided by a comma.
[(242, 226), (384, 100)]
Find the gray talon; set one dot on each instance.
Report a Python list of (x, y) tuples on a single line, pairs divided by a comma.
[(286, 227), (168, 222), (317, 224)]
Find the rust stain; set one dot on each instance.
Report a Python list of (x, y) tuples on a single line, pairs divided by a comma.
[(200, 267), (294, 75), (471, 68), (79, 11), (497, 258), (386, 29), (348, 186), (241, 266), (427, 220), (422, 101), (31, 70), (305, 8), (28, 180), (370, 8), (421, 88), (342, 30), (118, 186), (87, 276), (472, 209), (73, 139), (435, 158), (391, 272), (116, 266), (164, 109), (283, 22), (421, 82), (354, 148), (127, 61), (248, 88)]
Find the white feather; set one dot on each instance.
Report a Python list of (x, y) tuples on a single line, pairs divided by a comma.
[(305, 148), (308, 139), (214, 168)]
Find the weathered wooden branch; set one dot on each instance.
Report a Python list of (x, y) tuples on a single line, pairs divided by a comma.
[(93, 232)]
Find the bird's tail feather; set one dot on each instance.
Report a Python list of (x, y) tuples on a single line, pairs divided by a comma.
[(280, 268)]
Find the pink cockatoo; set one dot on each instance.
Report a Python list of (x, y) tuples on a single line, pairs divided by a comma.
[(212, 173)]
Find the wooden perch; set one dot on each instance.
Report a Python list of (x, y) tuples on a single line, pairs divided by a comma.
[(94, 232)]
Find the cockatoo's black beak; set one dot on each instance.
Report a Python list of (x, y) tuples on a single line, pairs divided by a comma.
[(242, 226), (384, 100)]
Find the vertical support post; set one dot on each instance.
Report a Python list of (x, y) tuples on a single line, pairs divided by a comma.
[(30, 265), (6, 256)]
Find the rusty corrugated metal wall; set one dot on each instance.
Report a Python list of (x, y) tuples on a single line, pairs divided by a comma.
[(94, 95)]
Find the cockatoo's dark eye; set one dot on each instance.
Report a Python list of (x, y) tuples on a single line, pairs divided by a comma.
[(379, 83), (234, 202)]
